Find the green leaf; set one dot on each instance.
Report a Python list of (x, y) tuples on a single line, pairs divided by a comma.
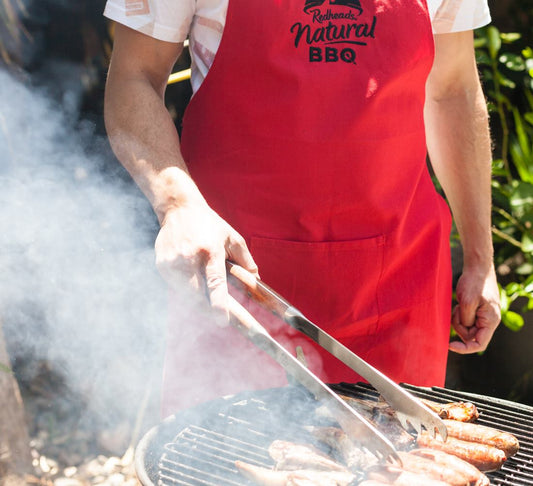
[(513, 288), (527, 243), (480, 42), (509, 37), (527, 52), (513, 320), (523, 137), (525, 269), (521, 197), (508, 83), (494, 40), (529, 117), (513, 62), (482, 58), (528, 284), (504, 300)]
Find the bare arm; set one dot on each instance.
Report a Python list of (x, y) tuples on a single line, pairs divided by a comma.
[(459, 148), (193, 240)]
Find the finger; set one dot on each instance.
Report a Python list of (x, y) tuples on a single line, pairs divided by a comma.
[(465, 333), (468, 347), (238, 252), (216, 285), (477, 340), (467, 313)]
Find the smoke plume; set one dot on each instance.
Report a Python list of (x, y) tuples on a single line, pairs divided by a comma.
[(78, 285)]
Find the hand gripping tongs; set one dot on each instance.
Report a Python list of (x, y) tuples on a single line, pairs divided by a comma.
[(408, 408)]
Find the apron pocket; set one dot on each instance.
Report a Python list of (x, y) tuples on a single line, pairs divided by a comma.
[(333, 283)]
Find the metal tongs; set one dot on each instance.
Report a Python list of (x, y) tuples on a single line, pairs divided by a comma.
[(352, 423), (408, 408)]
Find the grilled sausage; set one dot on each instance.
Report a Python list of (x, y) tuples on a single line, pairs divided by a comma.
[(400, 477), (473, 474), (483, 456), (290, 457), (271, 477), (428, 467), (508, 443)]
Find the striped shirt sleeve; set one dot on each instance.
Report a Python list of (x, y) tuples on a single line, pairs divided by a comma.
[(166, 20), (458, 15)]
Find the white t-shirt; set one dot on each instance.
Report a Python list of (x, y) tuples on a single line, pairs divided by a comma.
[(203, 22)]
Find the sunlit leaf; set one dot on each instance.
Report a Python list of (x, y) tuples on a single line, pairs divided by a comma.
[(513, 288), (504, 300), (525, 269), (513, 62), (527, 53), (521, 161), (527, 243), (522, 196), (513, 320), (509, 37), (480, 42), (494, 41), (523, 138)]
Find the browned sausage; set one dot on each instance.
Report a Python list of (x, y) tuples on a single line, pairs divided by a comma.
[(472, 473), (400, 477), (428, 467), (483, 456), (508, 443)]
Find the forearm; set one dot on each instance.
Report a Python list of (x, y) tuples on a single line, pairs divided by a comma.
[(460, 152), (144, 139)]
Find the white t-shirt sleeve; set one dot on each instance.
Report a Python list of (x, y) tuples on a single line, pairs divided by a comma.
[(458, 15), (166, 20)]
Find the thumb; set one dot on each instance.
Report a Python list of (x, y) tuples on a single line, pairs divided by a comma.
[(238, 253)]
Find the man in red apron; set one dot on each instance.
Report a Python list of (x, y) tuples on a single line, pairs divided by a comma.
[(305, 147)]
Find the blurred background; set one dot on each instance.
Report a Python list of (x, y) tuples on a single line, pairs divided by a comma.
[(81, 305)]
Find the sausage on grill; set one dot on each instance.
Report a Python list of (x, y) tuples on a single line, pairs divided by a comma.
[(428, 467), (400, 477), (472, 473), (483, 456), (508, 443)]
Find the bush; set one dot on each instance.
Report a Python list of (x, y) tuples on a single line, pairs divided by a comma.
[(507, 73)]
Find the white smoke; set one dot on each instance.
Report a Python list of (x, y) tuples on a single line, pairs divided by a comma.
[(78, 285)]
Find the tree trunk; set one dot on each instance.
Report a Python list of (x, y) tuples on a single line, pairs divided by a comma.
[(15, 456)]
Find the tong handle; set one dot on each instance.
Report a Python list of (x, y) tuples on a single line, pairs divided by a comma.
[(259, 292)]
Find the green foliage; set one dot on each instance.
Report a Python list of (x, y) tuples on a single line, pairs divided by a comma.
[(507, 74)]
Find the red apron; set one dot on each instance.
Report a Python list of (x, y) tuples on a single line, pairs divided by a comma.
[(307, 136)]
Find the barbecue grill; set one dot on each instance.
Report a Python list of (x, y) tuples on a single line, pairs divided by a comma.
[(199, 446)]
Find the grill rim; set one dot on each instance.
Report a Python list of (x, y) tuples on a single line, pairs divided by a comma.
[(152, 445)]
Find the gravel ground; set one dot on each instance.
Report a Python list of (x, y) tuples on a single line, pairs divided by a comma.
[(70, 445)]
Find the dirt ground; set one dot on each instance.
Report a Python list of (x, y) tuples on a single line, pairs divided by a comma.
[(70, 446)]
